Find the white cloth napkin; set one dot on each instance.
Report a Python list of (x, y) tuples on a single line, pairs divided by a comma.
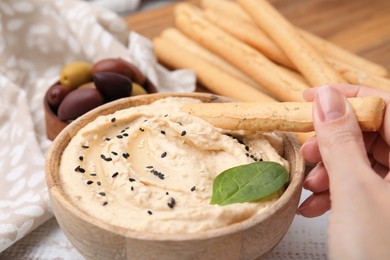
[(37, 38)]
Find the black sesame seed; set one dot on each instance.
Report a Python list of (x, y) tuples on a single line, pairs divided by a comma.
[(163, 132), (132, 188), (261, 159), (122, 131), (171, 203), (115, 174), (246, 148), (167, 193), (179, 123), (114, 153), (99, 183), (183, 133), (247, 154), (93, 174), (113, 119), (150, 212), (131, 180), (141, 129), (102, 194), (79, 169), (107, 139), (85, 146), (163, 154), (126, 155), (255, 159), (107, 159), (166, 115), (252, 156), (193, 188), (105, 203), (89, 182), (126, 134), (81, 158), (149, 167), (119, 136)]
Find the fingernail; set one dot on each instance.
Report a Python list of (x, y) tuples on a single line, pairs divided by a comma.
[(312, 175), (330, 104)]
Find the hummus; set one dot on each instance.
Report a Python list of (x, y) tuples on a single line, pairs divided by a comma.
[(151, 168)]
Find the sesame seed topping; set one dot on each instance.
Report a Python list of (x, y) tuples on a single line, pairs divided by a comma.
[(93, 174), (163, 132), (247, 154), (81, 158), (149, 167), (171, 203), (131, 180), (89, 182), (163, 154), (126, 134), (193, 188), (79, 169), (167, 193), (132, 188), (85, 146), (114, 153), (102, 194), (126, 155), (105, 203), (113, 119), (150, 212), (141, 129), (115, 174), (107, 159), (107, 139), (119, 136), (98, 183), (246, 148), (166, 115), (183, 133)]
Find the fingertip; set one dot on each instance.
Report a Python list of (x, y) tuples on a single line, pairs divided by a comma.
[(314, 206)]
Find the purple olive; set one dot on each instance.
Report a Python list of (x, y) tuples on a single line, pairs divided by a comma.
[(112, 85), (78, 102), (56, 94), (120, 66)]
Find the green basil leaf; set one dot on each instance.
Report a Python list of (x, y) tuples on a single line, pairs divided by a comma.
[(250, 182)]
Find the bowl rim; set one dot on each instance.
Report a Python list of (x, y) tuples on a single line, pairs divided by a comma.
[(56, 149)]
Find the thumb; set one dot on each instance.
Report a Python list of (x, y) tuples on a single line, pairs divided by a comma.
[(339, 137)]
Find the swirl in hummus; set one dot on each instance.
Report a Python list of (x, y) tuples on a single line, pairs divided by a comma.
[(151, 168)]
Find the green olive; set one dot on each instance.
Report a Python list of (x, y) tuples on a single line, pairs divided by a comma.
[(138, 90), (75, 74)]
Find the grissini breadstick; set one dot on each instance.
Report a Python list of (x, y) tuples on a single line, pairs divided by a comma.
[(191, 46), (307, 60), (249, 34), (234, 11), (283, 116), (282, 85), (211, 77), (363, 78), (256, 38)]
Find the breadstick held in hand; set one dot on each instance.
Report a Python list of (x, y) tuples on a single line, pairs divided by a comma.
[(284, 116)]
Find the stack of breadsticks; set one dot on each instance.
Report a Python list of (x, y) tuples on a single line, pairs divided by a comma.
[(247, 50)]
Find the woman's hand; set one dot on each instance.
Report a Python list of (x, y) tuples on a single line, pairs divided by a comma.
[(351, 176)]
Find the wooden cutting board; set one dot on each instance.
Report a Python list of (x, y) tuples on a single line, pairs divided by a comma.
[(361, 26)]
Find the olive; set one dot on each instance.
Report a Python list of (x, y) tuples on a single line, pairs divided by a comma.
[(112, 85), (149, 86), (137, 90), (88, 85), (78, 102), (75, 74), (119, 66), (56, 94)]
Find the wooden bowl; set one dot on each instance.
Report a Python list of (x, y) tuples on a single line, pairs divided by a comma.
[(95, 239)]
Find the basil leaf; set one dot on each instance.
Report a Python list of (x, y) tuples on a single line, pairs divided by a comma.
[(250, 182)]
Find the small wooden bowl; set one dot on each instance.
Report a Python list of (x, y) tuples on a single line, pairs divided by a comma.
[(95, 239)]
